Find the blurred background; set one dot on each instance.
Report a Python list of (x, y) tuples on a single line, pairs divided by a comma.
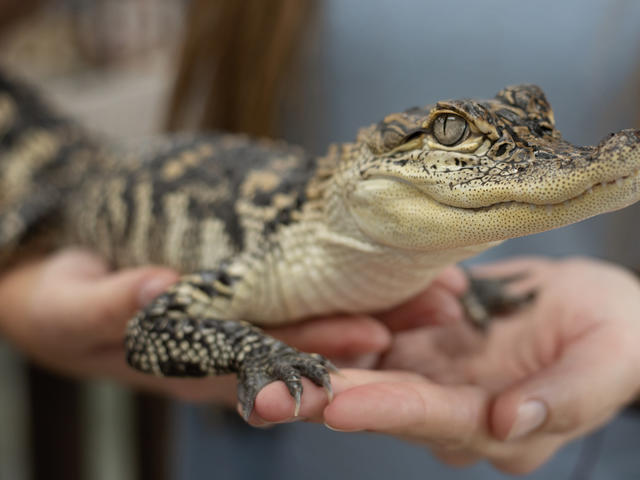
[(311, 72)]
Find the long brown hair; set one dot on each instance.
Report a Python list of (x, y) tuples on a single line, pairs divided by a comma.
[(11, 12), (234, 59)]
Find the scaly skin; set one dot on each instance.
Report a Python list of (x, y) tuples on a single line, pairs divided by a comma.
[(267, 235)]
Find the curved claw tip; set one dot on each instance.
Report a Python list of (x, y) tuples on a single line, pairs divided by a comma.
[(296, 411), (245, 411), (331, 367), (327, 388)]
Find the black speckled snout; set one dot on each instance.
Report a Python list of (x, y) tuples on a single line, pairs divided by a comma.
[(621, 149)]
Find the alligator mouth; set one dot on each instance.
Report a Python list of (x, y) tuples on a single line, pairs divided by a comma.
[(594, 189)]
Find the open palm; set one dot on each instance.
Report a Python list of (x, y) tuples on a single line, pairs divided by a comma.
[(552, 371)]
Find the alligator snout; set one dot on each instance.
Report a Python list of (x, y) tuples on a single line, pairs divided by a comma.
[(629, 136), (620, 150)]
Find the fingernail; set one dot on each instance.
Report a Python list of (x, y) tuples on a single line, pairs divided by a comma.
[(299, 418), (531, 415), (259, 423), (256, 421), (154, 287), (339, 429)]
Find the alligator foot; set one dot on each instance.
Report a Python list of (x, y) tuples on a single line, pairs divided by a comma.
[(286, 364), (487, 298), (180, 334)]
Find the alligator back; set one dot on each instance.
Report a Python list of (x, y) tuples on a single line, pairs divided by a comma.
[(42, 156), (186, 201)]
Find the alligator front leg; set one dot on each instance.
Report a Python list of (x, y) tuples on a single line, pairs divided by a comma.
[(180, 334), (489, 297)]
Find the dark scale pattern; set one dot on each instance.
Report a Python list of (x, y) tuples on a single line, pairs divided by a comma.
[(212, 172), (180, 334), (231, 160), (45, 143), (32, 113), (525, 147)]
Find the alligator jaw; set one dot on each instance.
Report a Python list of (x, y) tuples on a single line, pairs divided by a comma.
[(405, 217)]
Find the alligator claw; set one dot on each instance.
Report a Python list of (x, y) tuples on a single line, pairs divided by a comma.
[(489, 297), (287, 365)]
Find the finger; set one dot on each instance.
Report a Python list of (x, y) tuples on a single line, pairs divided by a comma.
[(453, 278), (343, 336), (75, 263), (99, 308), (441, 354), (35, 282), (575, 394), (274, 403), (117, 297), (521, 458), (453, 421), (438, 305), (75, 289), (448, 417)]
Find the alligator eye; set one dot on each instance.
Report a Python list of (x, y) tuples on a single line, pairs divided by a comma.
[(449, 129)]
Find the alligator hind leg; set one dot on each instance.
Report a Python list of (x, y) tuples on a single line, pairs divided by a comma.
[(179, 334), (488, 297)]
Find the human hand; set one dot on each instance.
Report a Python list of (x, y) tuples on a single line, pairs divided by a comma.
[(542, 376), (68, 312)]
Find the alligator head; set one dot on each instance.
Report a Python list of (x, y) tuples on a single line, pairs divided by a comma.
[(470, 172)]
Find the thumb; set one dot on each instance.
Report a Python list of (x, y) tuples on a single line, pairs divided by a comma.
[(582, 389), (408, 405), (107, 303)]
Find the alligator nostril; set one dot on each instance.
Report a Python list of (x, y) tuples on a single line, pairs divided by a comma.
[(629, 136)]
